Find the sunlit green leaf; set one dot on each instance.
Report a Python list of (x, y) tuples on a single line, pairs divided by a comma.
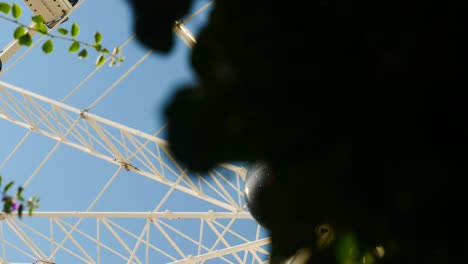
[(5, 8), (25, 40), (75, 30), (38, 19), (1, 178), (16, 11), (100, 60), (63, 31), (19, 32), (48, 46), (105, 51), (74, 47), (41, 28), (98, 37), (83, 54), (8, 186), (97, 47)]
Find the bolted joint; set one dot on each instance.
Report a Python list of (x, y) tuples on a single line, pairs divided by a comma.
[(83, 113), (127, 165)]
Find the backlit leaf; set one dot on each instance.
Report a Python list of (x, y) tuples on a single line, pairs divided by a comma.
[(100, 60), (83, 54), (16, 11), (48, 46), (19, 32), (75, 30), (41, 28), (63, 31), (38, 19), (97, 47), (25, 40), (5, 8), (98, 37), (8, 186), (74, 47)]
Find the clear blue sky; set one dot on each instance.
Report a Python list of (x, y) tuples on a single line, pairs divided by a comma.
[(70, 180)]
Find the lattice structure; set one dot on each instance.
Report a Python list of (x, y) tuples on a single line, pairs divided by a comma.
[(102, 237), (191, 218)]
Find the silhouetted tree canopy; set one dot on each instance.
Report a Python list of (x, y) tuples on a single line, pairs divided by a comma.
[(357, 106)]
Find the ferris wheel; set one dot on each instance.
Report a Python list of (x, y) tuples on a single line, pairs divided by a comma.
[(111, 192)]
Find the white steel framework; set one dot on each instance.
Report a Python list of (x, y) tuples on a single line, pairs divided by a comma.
[(95, 247), (133, 149), (214, 225)]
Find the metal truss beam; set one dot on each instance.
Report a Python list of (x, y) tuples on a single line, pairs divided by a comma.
[(129, 148), (143, 215)]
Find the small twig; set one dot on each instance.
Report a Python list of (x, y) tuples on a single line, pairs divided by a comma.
[(55, 36)]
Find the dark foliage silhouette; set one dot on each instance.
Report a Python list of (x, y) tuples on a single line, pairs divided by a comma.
[(357, 107)]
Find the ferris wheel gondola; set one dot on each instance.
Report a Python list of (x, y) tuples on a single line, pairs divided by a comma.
[(52, 11)]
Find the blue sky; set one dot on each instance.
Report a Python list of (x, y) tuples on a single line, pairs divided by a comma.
[(69, 179)]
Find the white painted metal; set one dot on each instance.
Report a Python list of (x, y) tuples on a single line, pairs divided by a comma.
[(86, 130), (231, 250), (144, 215), (83, 244), (163, 233)]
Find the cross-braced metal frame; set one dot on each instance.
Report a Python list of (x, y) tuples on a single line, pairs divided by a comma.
[(224, 233), (158, 240)]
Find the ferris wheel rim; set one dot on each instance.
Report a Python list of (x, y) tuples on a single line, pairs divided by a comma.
[(253, 249)]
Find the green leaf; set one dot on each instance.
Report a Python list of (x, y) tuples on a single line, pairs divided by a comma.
[(98, 37), (347, 248), (83, 54), (105, 51), (48, 46), (20, 190), (75, 30), (63, 31), (19, 32), (41, 28), (74, 47), (5, 8), (7, 205), (31, 211), (8, 186), (19, 194), (1, 178), (97, 47), (38, 19), (16, 11), (25, 40), (100, 60)]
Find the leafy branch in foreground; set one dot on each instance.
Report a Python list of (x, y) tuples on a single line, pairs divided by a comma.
[(21, 33), (17, 203)]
